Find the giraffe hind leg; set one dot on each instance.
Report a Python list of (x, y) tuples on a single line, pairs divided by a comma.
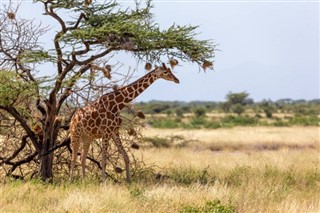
[(124, 154), (85, 148)]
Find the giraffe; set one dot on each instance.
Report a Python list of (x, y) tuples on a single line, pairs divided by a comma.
[(101, 119)]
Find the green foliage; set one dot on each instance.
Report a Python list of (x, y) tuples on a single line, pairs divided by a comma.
[(226, 107), (134, 30), (236, 102), (165, 123), (200, 112), (312, 120), (198, 122), (214, 206), (36, 56), (137, 192), (267, 108), (179, 113), (237, 98), (13, 88), (238, 109), (231, 120)]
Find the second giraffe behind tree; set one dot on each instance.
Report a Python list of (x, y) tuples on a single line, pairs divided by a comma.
[(101, 119)]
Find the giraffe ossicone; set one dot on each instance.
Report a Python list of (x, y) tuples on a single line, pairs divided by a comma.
[(101, 119)]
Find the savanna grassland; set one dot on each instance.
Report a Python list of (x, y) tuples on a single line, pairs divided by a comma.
[(240, 169)]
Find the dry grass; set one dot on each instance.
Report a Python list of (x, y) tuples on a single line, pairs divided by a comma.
[(245, 135), (251, 180)]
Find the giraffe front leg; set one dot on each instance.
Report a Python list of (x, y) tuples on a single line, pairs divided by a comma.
[(124, 154), (104, 157), (75, 143)]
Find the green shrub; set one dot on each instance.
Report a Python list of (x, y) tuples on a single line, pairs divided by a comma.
[(200, 112), (137, 192), (212, 125), (239, 121), (280, 123), (179, 113), (165, 123), (238, 109), (198, 122), (312, 120), (214, 206)]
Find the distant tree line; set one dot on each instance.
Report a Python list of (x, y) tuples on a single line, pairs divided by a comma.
[(237, 103)]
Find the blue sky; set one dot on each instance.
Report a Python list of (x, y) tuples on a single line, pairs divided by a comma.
[(269, 49)]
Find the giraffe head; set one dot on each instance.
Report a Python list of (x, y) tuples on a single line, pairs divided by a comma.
[(166, 73)]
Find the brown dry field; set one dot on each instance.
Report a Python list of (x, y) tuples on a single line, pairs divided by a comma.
[(258, 169)]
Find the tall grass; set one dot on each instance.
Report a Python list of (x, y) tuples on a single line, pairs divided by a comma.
[(193, 178)]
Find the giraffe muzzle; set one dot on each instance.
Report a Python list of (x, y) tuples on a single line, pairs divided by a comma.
[(176, 80)]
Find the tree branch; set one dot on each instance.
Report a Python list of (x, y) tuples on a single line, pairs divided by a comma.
[(73, 80), (16, 152), (19, 163), (24, 125)]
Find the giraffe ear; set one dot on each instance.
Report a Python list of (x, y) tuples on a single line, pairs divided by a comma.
[(164, 66)]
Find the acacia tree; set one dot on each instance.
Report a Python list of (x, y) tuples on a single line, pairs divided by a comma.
[(87, 37)]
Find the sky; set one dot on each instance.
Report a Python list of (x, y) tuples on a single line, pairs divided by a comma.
[(269, 49)]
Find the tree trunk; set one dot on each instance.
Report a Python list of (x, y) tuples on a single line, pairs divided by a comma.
[(46, 161), (46, 155)]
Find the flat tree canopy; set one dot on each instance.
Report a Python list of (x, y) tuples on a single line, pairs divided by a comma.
[(39, 105)]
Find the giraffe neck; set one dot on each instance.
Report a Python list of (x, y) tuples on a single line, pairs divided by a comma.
[(133, 90), (128, 93)]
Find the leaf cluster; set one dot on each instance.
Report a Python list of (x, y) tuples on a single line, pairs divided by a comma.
[(13, 88), (36, 56), (134, 30)]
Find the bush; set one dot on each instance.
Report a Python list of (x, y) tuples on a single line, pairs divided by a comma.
[(238, 109), (212, 125), (214, 206), (165, 123), (200, 112), (198, 122), (179, 113), (312, 120), (239, 121)]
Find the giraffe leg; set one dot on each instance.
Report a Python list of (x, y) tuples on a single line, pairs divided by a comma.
[(124, 154), (85, 148), (75, 143), (104, 157)]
